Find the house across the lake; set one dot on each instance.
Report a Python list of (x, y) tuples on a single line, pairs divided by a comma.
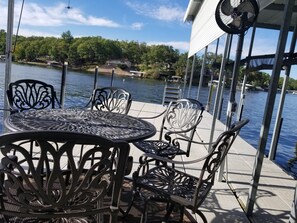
[(118, 62)]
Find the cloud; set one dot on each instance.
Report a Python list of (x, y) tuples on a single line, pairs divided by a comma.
[(137, 26), (160, 12), (32, 32), (58, 15), (179, 45)]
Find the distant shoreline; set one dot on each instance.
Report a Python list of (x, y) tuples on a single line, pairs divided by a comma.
[(103, 69)]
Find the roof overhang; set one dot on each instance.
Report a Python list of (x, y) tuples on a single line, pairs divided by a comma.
[(205, 29), (192, 10)]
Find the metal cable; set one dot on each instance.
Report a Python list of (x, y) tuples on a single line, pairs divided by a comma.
[(20, 18)]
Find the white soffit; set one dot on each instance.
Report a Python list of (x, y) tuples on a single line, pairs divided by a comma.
[(205, 29)]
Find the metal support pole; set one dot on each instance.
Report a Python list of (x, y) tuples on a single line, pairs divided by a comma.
[(192, 73), (218, 93), (232, 105), (221, 101), (243, 90), (112, 74), (202, 72), (8, 55), (224, 80), (288, 11), (211, 87), (242, 97), (186, 77), (277, 127), (63, 84), (219, 98), (95, 77)]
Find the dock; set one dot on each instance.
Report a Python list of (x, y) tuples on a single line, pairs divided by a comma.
[(227, 200)]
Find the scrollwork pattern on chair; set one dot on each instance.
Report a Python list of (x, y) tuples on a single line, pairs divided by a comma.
[(28, 94), (58, 182), (111, 99)]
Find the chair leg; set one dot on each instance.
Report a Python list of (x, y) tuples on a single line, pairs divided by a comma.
[(202, 216), (144, 213), (169, 210), (126, 212), (182, 212)]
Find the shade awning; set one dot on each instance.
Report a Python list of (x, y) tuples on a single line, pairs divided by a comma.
[(266, 62)]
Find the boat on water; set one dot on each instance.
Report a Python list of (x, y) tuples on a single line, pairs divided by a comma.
[(2, 58), (175, 79), (135, 73), (248, 87), (213, 83)]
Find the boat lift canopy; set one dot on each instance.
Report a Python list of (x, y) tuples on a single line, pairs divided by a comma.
[(266, 62), (274, 14)]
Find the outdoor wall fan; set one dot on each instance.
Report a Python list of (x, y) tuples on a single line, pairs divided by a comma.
[(236, 16)]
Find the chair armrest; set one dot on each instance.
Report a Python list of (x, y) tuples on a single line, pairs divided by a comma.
[(5, 109), (156, 116), (192, 141), (154, 157), (167, 134)]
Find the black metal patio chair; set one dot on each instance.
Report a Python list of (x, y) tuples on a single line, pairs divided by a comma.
[(162, 183), (111, 99), (55, 184), (26, 94), (180, 119)]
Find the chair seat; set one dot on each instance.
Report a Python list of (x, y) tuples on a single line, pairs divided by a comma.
[(170, 184), (174, 186), (159, 147)]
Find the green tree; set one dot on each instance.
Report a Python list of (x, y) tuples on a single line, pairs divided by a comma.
[(180, 65), (159, 59), (67, 37), (2, 41), (59, 51)]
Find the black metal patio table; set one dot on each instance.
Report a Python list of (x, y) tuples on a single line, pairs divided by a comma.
[(111, 125)]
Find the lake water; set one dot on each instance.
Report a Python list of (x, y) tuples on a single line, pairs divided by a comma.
[(79, 86)]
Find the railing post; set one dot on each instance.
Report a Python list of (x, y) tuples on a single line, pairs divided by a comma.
[(95, 77), (63, 81), (8, 56), (112, 74)]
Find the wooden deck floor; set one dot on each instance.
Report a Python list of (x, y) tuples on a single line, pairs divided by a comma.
[(227, 200)]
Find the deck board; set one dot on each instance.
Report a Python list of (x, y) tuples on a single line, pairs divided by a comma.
[(275, 191), (226, 201)]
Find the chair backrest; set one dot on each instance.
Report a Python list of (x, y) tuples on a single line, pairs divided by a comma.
[(29, 94), (182, 116), (111, 99), (214, 160), (58, 183)]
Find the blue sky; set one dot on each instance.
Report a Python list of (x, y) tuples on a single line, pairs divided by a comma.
[(149, 21)]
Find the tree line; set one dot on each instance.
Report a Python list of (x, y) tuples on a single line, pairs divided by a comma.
[(157, 61)]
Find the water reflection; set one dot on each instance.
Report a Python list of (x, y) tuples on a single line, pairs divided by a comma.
[(79, 87)]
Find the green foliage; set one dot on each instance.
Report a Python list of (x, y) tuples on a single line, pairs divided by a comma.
[(157, 61), (2, 41)]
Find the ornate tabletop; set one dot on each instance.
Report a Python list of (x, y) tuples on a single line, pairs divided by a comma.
[(107, 124)]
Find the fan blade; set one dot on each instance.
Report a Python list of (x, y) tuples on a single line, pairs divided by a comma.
[(226, 8), (236, 23), (246, 6)]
